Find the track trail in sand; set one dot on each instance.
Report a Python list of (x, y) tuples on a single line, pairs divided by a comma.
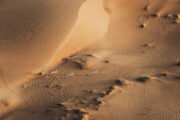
[(132, 73)]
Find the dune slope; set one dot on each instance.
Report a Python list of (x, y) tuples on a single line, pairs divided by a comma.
[(37, 35), (131, 73)]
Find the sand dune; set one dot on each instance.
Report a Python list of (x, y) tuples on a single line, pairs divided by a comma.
[(47, 32), (89, 60), (31, 32), (92, 23), (37, 35)]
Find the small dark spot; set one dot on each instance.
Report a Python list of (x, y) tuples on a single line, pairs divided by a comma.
[(177, 76), (106, 61), (177, 64), (40, 73), (92, 91), (76, 111), (167, 16), (148, 45), (120, 82), (154, 15), (65, 115), (89, 55), (176, 22), (58, 87), (111, 88), (143, 79), (100, 102), (176, 16), (60, 105), (164, 74), (142, 26), (146, 8)]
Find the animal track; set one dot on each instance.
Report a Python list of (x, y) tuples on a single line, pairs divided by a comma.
[(61, 112)]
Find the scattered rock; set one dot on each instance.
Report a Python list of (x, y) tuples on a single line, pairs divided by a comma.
[(142, 26), (90, 55), (148, 45), (168, 16), (60, 105), (174, 17), (99, 101), (144, 79), (178, 63), (146, 8), (46, 86), (84, 66), (177, 16), (112, 89), (93, 91), (155, 15), (76, 111), (176, 21), (177, 76), (106, 61), (121, 82), (164, 74), (40, 73)]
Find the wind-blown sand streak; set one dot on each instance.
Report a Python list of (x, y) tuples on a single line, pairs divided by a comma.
[(132, 73), (91, 14), (92, 23)]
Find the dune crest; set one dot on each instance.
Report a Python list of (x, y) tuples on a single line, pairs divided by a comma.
[(92, 23), (87, 24)]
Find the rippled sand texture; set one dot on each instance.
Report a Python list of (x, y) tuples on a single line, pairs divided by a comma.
[(90, 60), (36, 35)]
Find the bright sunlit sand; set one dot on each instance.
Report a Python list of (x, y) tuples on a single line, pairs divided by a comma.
[(89, 59)]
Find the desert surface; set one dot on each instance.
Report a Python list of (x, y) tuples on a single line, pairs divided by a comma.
[(89, 59)]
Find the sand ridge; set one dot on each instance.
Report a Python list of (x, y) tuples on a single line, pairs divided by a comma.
[(81, 34), (131, 73)]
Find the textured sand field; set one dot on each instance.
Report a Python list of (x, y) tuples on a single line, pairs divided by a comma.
[(89, 60)]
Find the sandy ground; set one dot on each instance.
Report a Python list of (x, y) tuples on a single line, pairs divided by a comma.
[(105, 60)]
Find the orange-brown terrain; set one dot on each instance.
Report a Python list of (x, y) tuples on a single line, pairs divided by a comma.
[(89, 59)]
